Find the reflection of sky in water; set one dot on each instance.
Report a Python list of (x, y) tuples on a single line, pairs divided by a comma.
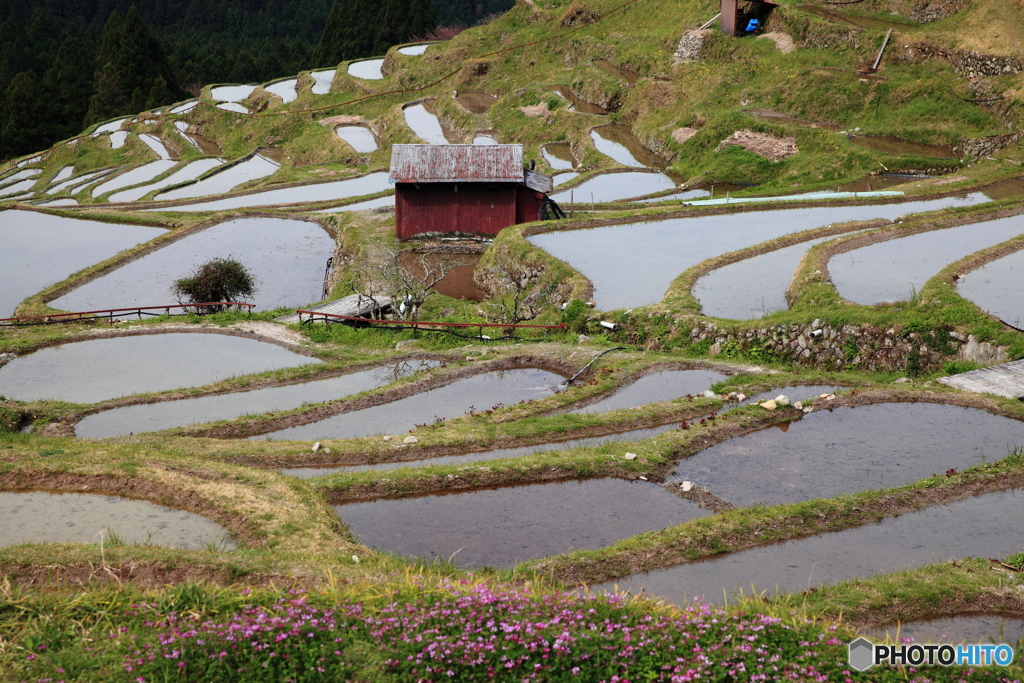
[(284, 89), (286, 256), (318, 192), (481, 392), (498, 528), (42, 517), (368, 69), (610, 187), (894, 270), (424, 124), (997, 287), (154, 416), (250, 169), (991, 525), (39, 250), (846, 450), (101, 369), (660, 250)]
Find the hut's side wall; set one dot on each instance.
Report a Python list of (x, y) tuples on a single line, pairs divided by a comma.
[(527, 204), (479, 208)]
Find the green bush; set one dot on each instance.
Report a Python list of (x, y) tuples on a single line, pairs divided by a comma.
[(220, 279)]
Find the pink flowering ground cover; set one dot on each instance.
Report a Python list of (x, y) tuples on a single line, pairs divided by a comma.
[(465, 631)]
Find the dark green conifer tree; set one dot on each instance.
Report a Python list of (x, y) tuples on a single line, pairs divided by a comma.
[(68, 87), (392, 25), (332, 49), (22, 129)]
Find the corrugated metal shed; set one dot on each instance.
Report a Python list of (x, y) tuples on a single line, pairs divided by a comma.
[(457, 164)]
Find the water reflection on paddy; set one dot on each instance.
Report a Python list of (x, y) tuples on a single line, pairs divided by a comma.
[(500, 527), (155, 416), (996, 288), (991, 525), (101, 369), (40, 249), (42, 517), (894, 270), (286, 256), (661, 250)]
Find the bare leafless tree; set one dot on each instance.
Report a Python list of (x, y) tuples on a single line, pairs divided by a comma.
[(405, 279)]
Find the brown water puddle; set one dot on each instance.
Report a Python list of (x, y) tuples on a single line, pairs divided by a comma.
[(617, 71), (619, 143), (206, 145), (577, 104), (991, 525), (474, 101), (846, 450), (864, 22), (42, 517), (500, 527), (559, 156), (902, 147), (458, 283), (779, 117)]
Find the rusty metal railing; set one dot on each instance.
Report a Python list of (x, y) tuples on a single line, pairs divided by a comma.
[(113, 314), (415, 324)]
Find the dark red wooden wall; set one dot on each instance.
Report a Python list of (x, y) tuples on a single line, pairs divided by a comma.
[(478, 208)]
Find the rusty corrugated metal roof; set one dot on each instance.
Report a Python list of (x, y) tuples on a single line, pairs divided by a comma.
[(457, 163)]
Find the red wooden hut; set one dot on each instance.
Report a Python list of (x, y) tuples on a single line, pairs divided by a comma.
[(476, 189)]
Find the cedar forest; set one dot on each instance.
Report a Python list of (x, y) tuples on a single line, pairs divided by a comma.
[(67, 64)]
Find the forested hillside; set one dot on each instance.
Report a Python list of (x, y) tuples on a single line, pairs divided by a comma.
[(56, 73)]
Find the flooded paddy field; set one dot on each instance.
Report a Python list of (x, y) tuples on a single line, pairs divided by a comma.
[(500, 527), (422, 119), (847, 450), (970, 628), (40, 249), (286, 256), (142, 174), (188, 172), (485, 140), (754, 287), (895, 269), (233, 107), (322, 81), (359, 138), (414, 50), (367, 69), (483, 456), (619, 143), (480, 392), (458, 283), (666, 385), (231, 93), (661, 250), (577, 104), (368, 205), (559, 156), (42, 517), (996, 288), (224, 181), (610, 187), (475, 102), (285, 89), (155, 416), (317, 192), (101, 369), (990, 525)]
